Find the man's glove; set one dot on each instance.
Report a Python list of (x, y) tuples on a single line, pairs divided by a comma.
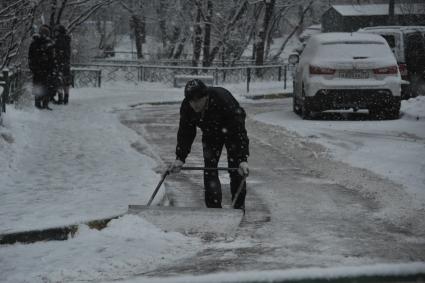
[(243, 169), (176, 166)]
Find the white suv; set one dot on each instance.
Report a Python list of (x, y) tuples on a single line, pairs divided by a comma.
[(408, 45), (344, 71)]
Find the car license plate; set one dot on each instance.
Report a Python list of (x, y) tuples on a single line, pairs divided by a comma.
[(354, 74)]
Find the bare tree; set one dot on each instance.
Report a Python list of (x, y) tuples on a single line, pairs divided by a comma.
[(207, 34), (137, 24), (294, 30), (16, 22), (236, 14), (262, 33), (197, 38), (20, 17)]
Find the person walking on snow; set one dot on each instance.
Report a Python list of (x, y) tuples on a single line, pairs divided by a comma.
[(222, 121), (63, 61), (42, 65)]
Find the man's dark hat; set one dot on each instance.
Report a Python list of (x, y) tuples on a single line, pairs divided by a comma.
[(60, 28), (44, 30), (195, 89)]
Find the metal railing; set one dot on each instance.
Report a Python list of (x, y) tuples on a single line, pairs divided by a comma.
[(12, 83), (135, 73)]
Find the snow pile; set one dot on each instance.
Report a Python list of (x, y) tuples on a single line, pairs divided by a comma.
[(129, 245), (413, 108)]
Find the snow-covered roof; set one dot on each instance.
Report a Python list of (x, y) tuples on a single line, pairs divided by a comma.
[(394, 28), (378, 9)]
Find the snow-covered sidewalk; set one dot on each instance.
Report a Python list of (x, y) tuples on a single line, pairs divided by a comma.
[(72, 164)]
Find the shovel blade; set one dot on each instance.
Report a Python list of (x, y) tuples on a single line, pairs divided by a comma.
[(191, 220)]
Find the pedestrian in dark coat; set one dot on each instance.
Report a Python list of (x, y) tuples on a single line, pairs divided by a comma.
[(41, 64), (63, 61), (222, 121)]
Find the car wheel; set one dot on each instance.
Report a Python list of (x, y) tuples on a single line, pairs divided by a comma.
[(305, 112), (376, 113), (392, 111), (295, 105), (305, 108)]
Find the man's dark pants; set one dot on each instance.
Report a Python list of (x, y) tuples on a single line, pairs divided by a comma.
[(212, 147)]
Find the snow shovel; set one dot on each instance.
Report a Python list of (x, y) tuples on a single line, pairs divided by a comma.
[(191, 220)]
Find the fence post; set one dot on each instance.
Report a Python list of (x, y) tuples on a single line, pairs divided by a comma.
[(285, 71), (216, 76), (2, 98), (248, 78), (6, 87), (279, 73), (99, 78), (139, 73)]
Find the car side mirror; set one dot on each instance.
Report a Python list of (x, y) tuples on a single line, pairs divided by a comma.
[(293, 59)]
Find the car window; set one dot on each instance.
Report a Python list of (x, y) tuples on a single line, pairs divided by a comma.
[(415, 41), (390, 39), (415, 51)]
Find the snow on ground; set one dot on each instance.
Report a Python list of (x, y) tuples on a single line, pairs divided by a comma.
[(60, 167), (128, 246), (319, 274), (72, 164), (76, 163), (392, 148)]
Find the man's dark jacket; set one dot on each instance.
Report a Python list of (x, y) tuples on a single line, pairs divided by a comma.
[(223, 120), (63, 56), (41, 60)]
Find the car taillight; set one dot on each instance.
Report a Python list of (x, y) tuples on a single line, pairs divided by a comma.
[(403, 70), (391, 70), (314, 70)]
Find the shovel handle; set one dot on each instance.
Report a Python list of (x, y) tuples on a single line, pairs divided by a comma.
[(157, 187), (210, 168), (238, 192)]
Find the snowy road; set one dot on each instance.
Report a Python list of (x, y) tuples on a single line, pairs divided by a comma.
[(313, 198), (303, 208)]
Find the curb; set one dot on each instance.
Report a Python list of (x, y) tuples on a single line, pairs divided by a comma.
[(269, 96), (54, 233)]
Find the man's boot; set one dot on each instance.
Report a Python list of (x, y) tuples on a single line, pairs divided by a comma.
[(60, 98), (46, 103), (37, 103), (65, 98)]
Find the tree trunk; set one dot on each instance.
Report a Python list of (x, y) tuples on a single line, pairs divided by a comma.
[(53, 5), (162, 22), (207, 34), (259, 54), (139, 34), (60, 12), (197, 40), (180, 48), (173, 41)]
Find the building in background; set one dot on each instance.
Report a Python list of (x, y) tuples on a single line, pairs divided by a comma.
[(349, 18)]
